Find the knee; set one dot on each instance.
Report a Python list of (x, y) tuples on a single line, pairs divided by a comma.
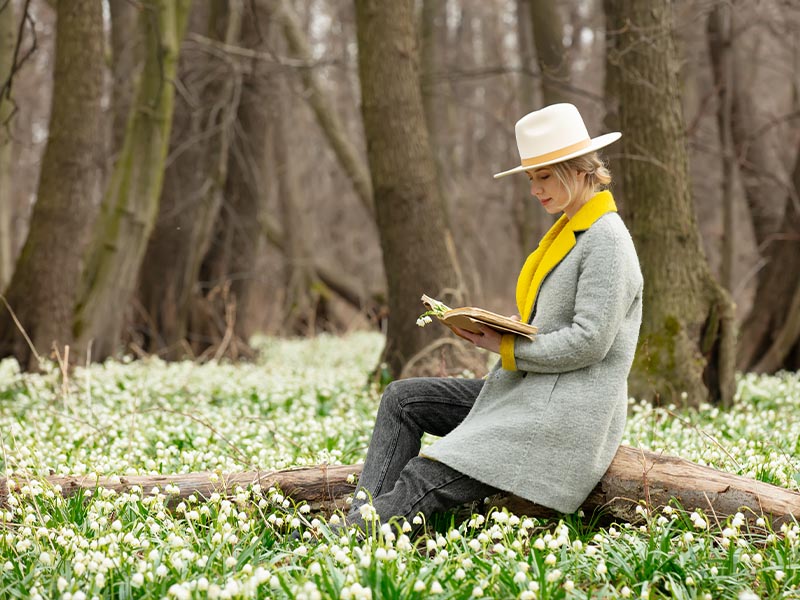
[(394, 395)]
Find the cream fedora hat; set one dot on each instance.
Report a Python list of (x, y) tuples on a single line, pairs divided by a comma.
[(554, 134)]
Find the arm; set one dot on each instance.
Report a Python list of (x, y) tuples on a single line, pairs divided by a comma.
[(606, 288)]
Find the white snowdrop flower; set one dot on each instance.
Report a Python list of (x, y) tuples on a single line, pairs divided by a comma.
[(577, 545), (315, 569), (304, 509), (539, 544), (45, 558), (467, 563), (728, 532), (351, 478), (667, 510), (419, 585), (61, 584), (417, 520), (334, 520), (361, 495), (179, 591), (498, 548), (477, 591), (513, 520), (625, 592), (459, 574), (760, 522), (230, 562), (553, 575), (294, 523), (527, 524), (368, 512), (99, 580), (474, 544), (601, 568), (483, 538), (527, 595), (406, 527), (779, 575), (380, 554), (714, 571), (79, 595), (519, 577), (500, 517), (689, 581), (569, 585), (161, 570), (137, 580), (365, 561), (747, 595), (550, 559), (757, 558), (436, 588)]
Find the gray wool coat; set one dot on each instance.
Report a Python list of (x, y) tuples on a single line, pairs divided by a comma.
[(548, 430)]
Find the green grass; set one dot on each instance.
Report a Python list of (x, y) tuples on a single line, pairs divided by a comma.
[(308, 402)]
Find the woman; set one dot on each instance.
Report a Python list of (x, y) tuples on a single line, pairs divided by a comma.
[(548, 419)]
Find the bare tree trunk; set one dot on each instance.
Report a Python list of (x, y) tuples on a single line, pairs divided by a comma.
[(687, 339), (217, 324), (8, 37), (304, 298), (634, 476), (720, 25), (554, 65), (772, 331), (433, 33), (45, 282), (126, 60), (194, 180), (766, 343), (530, 219), (131, 205), (410, 216), (322, 105)]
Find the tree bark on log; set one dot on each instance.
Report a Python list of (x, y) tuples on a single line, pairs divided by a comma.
[(635, 476)]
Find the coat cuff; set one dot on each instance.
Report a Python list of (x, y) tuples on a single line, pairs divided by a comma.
[(507, 359)]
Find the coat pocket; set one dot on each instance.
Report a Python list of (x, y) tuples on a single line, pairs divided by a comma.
[(538, 389)]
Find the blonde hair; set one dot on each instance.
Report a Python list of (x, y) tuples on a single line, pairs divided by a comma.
[(597, 175)]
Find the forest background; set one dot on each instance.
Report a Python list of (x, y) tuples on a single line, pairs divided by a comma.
[(176, 176)]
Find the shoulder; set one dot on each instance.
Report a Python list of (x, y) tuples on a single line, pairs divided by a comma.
[(608, 229), (609, 237)]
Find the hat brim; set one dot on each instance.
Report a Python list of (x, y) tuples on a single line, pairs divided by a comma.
[(599, 142)]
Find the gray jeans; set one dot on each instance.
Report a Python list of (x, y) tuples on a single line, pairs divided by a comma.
[(401, 483)]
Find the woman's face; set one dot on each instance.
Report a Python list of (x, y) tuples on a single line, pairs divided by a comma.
[(552, 195)]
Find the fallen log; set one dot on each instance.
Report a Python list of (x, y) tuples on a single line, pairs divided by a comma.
[(635, 477)]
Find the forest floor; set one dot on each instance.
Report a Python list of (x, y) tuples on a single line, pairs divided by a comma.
[(308, 402)]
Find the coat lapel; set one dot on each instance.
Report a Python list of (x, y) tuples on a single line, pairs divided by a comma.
[(555, 246)]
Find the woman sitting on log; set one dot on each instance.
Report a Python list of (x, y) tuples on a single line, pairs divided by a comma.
[(548, 419)]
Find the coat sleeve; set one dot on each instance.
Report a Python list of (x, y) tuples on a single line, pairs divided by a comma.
[(608, 283)]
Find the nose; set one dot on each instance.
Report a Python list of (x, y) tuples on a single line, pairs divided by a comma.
[(535, 188)]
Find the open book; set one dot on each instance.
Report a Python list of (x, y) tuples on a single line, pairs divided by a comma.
[(469, 318)]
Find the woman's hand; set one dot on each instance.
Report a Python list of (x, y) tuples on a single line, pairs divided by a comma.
[(488, 338)]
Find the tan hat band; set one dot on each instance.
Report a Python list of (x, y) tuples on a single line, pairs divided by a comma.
[(555, 154)]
